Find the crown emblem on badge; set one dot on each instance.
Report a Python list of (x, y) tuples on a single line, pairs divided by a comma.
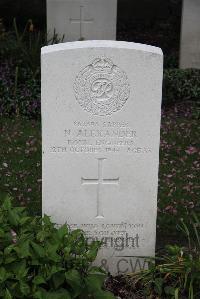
[(102, 64)]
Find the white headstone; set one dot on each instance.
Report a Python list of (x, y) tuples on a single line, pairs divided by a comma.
[(82, 19), (190, 35), (101, 106)]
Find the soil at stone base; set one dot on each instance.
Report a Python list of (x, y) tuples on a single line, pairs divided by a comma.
[(123, 290)]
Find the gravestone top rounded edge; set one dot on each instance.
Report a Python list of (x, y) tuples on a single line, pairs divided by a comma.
[(101, 44)]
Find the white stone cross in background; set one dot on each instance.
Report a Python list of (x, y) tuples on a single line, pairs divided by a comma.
[(99, 182), (81, 21)]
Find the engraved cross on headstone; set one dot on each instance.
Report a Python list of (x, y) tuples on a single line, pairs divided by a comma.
[(99, 182), (81, 21)]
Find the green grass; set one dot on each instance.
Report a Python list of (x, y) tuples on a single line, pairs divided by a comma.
[(20, 161), (179, 190), (20, 166)]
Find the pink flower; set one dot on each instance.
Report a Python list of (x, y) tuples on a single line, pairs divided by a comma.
[(191, 150), (168, 208)]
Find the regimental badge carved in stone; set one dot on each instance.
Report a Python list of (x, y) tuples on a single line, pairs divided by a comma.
[(101, 88)]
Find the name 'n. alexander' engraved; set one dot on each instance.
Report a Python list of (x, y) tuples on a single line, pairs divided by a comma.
[(106, 133), (86, 133), (101, 88)]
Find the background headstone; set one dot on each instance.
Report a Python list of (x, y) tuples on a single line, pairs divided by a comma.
[(101, 104), (190, 35), (82, 19)]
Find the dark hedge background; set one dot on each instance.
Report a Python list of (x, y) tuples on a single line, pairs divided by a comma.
[(154, 22)]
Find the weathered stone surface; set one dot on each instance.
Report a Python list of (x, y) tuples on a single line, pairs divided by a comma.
[(190, 35), (101, 103)]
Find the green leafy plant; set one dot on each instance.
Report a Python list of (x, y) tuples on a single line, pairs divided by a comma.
[(19, 92), (20, 69), (30, 42), (181, 85), (24, 47), (7, 41), (176, 274), (39, 260)]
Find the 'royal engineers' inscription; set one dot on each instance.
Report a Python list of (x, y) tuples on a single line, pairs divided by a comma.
[(100, 137)]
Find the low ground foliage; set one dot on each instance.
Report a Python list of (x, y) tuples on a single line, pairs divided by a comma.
[(179, 189), (39, 260), (175, 273), (20, 162)]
